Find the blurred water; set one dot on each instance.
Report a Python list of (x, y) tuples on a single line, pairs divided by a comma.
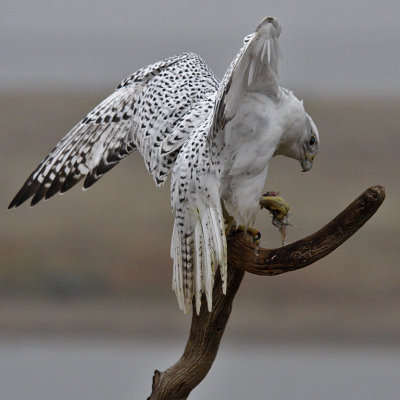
[(104, 368)]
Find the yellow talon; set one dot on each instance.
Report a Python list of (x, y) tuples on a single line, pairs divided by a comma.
[(231, 228), (230, 225), (254, 233)]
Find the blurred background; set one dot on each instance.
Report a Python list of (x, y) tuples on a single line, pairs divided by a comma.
[(86, 307)]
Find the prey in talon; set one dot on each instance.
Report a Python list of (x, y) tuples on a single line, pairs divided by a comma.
[(279, 209)]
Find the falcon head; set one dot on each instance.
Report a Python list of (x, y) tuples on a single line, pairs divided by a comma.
[(300, 139), (309, 145)]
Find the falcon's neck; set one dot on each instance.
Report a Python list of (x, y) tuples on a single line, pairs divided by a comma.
[(292, 119)]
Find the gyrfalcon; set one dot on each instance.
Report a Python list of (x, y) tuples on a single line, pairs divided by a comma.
[(217, 139)]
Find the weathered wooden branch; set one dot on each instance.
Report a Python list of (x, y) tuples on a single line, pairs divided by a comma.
[(202, 346), (244, 254), (207, 329)]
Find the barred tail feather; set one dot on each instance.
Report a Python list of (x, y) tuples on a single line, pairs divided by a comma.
[(198, 263), (187, 257), (197, 253), (208, 261), (176, 254), (218, 225)]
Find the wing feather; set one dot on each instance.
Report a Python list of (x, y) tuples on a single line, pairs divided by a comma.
[(140, 114), (255, 68), (198, 245), (177, 115)]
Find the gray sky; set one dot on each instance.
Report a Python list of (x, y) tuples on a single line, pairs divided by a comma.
[(340, 47)]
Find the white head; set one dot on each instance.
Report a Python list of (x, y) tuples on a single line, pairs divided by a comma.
[(309, 146), (300, 139)]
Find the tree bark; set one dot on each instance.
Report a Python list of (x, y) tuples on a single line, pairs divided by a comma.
[(207, 328), (245, 255), (202, 346)]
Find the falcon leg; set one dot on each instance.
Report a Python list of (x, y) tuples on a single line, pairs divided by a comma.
[(254, 233), (279, 209), (225, 213), (230, 223), (231, 227)]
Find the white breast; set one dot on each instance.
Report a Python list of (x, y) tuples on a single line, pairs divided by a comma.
[(251, 139)]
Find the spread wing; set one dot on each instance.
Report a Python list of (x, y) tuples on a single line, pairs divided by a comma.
[(254, 69), (141, 114)]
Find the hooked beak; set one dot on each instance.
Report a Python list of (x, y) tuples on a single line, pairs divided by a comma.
[(307, 162)]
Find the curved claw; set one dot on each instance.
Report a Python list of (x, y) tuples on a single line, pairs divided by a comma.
[(254, 233)]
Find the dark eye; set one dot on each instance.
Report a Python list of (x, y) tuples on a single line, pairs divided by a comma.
[(312, 140)]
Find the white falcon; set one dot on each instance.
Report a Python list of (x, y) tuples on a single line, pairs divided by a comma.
[(217, 138)]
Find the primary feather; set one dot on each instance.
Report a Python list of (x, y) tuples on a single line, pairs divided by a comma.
[(217, 138)]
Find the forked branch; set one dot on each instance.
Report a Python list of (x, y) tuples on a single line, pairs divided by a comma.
[(207, 329)]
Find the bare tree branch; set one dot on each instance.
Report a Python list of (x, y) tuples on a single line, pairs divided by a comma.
[(207, 329), (244, 254), (202, 346)]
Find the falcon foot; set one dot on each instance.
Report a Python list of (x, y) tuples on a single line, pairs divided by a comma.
[(279, 209), (254, 233), (231, 228), (230, 225)]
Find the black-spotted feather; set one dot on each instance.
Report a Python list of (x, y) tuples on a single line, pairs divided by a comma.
[(143, 110)]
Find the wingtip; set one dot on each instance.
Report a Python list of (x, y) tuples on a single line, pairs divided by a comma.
[(267, 22), (17, 201)]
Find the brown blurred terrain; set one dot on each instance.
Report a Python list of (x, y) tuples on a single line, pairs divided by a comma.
[(99, 261)]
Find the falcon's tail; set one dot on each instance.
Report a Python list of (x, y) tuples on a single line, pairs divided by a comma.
[(197, 253)]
